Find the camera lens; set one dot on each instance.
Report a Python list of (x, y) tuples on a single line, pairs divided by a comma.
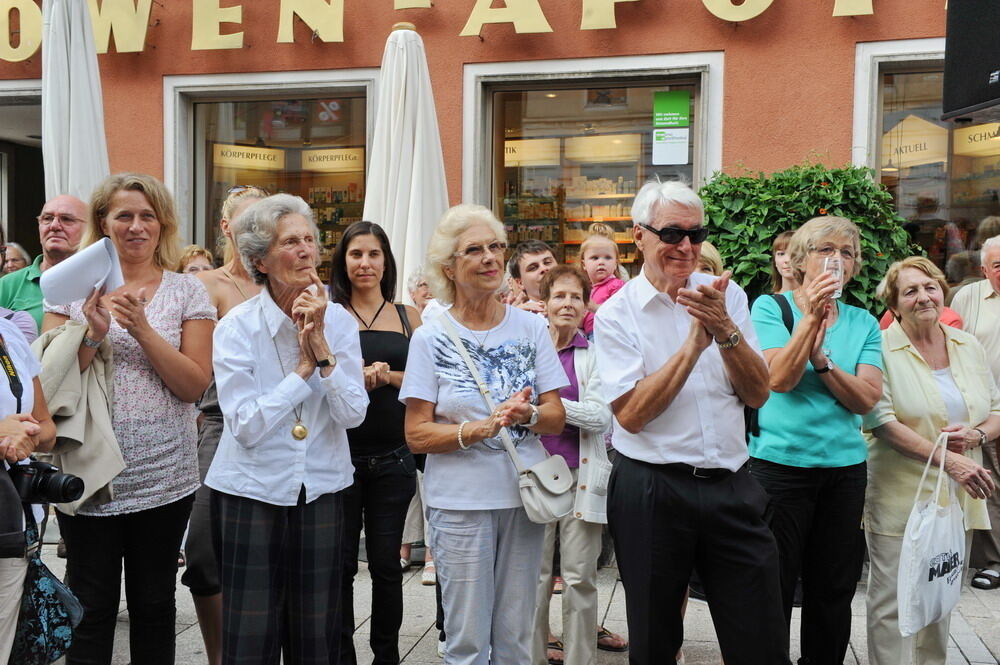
[(59, 487)]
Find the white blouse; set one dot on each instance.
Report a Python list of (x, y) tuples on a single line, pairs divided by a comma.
[(260, 393)]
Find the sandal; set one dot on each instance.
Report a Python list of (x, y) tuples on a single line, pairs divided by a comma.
[(554, 645), (605, 634), (987, 578)]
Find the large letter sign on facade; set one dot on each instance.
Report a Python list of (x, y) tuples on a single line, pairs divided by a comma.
[(325, 17), (599, 14), (30, 16), (526, 15), (726, 10), (206, 19), (127, 19)]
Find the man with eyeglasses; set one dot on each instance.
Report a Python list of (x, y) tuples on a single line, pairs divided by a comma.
[(679, 360), (60, 226)]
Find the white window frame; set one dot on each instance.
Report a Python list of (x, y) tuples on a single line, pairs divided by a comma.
[(476, 130), (180, 93), (13, 89), (868, 60)]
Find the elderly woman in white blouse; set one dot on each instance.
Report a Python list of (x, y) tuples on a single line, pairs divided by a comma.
[(288, 370)]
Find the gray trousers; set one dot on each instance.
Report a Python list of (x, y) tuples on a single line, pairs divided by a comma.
[(488, 562), (579, 548)]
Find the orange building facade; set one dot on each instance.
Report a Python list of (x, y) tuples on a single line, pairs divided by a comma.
[(551, 111)]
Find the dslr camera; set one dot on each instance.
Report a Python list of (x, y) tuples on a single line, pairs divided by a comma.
[(38, 482)]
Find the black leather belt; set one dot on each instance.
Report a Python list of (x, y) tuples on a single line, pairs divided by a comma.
[(689, 470)]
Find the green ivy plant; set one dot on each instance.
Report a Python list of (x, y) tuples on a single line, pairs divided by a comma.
[(746, 212)]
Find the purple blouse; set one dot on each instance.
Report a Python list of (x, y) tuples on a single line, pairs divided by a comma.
[(567, 442)]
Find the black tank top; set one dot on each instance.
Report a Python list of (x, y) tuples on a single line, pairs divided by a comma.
[(382, 430)]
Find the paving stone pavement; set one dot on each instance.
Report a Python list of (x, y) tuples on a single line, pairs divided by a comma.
[(975, 639)]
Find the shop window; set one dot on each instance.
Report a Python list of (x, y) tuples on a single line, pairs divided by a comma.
[(945, 178), (313, 148), (566, 158)]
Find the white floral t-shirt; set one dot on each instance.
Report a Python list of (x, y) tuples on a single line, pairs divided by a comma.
[(511, 356), (156, 431)]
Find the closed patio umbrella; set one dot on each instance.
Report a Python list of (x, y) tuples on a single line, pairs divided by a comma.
[(406, 192), (74, 149)]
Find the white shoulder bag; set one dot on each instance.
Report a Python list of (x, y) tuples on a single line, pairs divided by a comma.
[(933, 555), (544, 487)]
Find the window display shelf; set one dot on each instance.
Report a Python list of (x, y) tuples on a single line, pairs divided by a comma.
[(583, 197)]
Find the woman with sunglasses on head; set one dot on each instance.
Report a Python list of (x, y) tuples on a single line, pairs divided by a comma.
[(227, 287), (826, 373), (363, 281)]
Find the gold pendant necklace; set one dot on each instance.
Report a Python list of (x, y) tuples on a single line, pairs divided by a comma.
[(299, 431)]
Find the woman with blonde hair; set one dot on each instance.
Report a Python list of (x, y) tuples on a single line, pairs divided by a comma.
[(195, 259), (937, 380), (227, 286), (488, 553), (159, 325), (710, 261)]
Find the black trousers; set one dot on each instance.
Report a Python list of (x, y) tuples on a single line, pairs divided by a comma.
[(280, 572), (665, 524), (816, 519), (147, 542), (377, 501)]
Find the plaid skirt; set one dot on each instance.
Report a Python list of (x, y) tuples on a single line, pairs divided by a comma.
[(280, 569)]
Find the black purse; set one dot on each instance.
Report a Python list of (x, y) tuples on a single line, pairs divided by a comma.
[(49, 610)]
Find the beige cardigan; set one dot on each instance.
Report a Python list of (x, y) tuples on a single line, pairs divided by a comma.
[(80, 404)]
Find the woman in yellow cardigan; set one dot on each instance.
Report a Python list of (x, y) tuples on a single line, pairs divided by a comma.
[(936, 380)]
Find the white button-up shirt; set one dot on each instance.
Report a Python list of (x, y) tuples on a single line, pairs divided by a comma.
[(259, 394), (979, 306), (637, 331)]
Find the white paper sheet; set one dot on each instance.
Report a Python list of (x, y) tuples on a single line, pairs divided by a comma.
[(74, 278)]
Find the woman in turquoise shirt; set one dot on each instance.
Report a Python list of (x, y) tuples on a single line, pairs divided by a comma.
[(809, 455)]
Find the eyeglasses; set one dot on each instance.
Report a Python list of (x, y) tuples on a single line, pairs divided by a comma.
[(66, 220), (476, 251), (829, 250), (672, 235)]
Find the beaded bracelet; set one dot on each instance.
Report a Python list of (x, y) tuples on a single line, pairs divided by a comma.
[(461, 442)]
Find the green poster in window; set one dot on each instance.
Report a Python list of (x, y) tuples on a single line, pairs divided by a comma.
[(672, 108)]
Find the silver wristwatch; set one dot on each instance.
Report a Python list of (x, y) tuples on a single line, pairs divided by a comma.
[(533, 420)]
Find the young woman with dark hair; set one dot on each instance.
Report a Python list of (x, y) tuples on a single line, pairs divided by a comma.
[(363, 280)]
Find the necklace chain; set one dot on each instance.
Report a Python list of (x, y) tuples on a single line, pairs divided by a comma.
[(481, 340), (368, 326), (296, 410)]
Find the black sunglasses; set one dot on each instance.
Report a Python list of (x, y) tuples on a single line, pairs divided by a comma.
[(673, 235)]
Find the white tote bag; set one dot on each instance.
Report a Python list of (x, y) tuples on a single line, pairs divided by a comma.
[(933, 555)]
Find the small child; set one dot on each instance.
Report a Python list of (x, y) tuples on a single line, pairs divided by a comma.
[(599, 256)]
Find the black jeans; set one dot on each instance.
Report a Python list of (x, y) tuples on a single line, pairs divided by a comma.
[(377, 501), (665, 524), (147, 542), (815, 515)]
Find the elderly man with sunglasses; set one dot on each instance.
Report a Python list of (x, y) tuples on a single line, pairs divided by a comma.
[(679, 360), (60, 226)]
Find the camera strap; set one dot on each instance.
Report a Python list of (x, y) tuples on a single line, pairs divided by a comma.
[(16, 389)]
